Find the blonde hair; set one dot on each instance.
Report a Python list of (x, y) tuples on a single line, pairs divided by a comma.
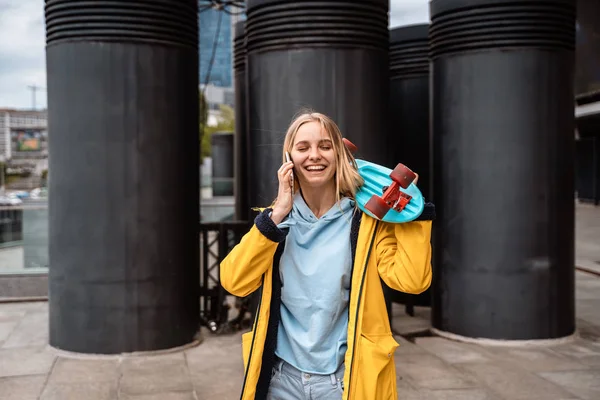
[(347, 178)]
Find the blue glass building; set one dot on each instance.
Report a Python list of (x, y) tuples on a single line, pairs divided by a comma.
[(221, 71)]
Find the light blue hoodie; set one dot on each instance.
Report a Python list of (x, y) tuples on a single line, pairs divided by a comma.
[(315, 271)]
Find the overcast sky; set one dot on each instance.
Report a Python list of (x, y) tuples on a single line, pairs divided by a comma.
[(22, 42)]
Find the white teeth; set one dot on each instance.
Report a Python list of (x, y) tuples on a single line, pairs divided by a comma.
[(315, 168)]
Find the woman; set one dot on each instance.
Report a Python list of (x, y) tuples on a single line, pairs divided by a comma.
[(322, 329)]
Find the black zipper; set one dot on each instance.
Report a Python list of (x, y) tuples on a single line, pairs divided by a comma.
[(360, 290), (254, 327)]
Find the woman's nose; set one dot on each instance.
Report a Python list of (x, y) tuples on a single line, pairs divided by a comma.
[(314, 154)]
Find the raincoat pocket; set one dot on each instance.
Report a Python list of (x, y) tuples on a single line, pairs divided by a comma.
[(377, 377), (246, 345)]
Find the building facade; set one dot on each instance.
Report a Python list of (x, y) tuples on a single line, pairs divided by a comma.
[(221, 71), (23, 134)]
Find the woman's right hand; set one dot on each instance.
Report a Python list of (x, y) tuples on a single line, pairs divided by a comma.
[(284, 202)]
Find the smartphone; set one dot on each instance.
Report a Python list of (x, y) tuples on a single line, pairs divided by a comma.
[(288, 159)]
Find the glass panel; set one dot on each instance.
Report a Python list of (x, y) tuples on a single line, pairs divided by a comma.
[(23, 235), (213, 208), (23, 192)]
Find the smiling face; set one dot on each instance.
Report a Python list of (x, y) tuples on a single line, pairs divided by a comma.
[(320, 157), (313, 156)]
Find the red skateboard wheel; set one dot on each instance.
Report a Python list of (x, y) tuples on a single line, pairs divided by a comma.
[(403, 175), (377, 206), (350, 146)]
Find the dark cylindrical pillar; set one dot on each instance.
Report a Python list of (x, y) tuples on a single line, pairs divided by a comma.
[(503, 132), (328, 56), (409, 99), (222, 163), (240, 140), (409, 116), (123, 215)]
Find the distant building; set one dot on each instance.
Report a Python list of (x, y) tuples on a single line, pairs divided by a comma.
[(221, 71), (215, 97), (23, 134)]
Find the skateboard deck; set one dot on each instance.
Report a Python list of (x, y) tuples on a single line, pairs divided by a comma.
[(395, 200)]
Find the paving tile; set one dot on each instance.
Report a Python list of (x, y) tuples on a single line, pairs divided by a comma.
[(40, 306), (25, 361), (80, 391), (68, 370), (31, 331), (218, 380), (6, 328), (587, 288), (451, 351), (404, 382), (22, 387), (459, 394), (584, 384), (407, 388), (216, 367), (150, 362), (155, 374), (588, 331), (403, 323), (411, 394), (591, 361), (219, 391), (588, 309), (159, 396), (24, 307), (429, 372), (407, 347), (512, 383), (7, 315), (227, 349), (535, 359), (582, 351)]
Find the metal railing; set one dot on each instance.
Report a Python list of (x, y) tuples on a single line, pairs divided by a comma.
[(216, 241)]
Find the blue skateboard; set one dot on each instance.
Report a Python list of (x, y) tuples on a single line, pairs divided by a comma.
[(388, 195)]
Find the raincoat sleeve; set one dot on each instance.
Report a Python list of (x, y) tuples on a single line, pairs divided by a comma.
[(404, 253), (243, 267)]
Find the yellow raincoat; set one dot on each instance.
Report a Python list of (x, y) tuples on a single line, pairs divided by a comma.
[(400, 254)]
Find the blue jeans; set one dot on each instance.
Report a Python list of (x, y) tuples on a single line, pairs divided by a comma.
[(289, 383)]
